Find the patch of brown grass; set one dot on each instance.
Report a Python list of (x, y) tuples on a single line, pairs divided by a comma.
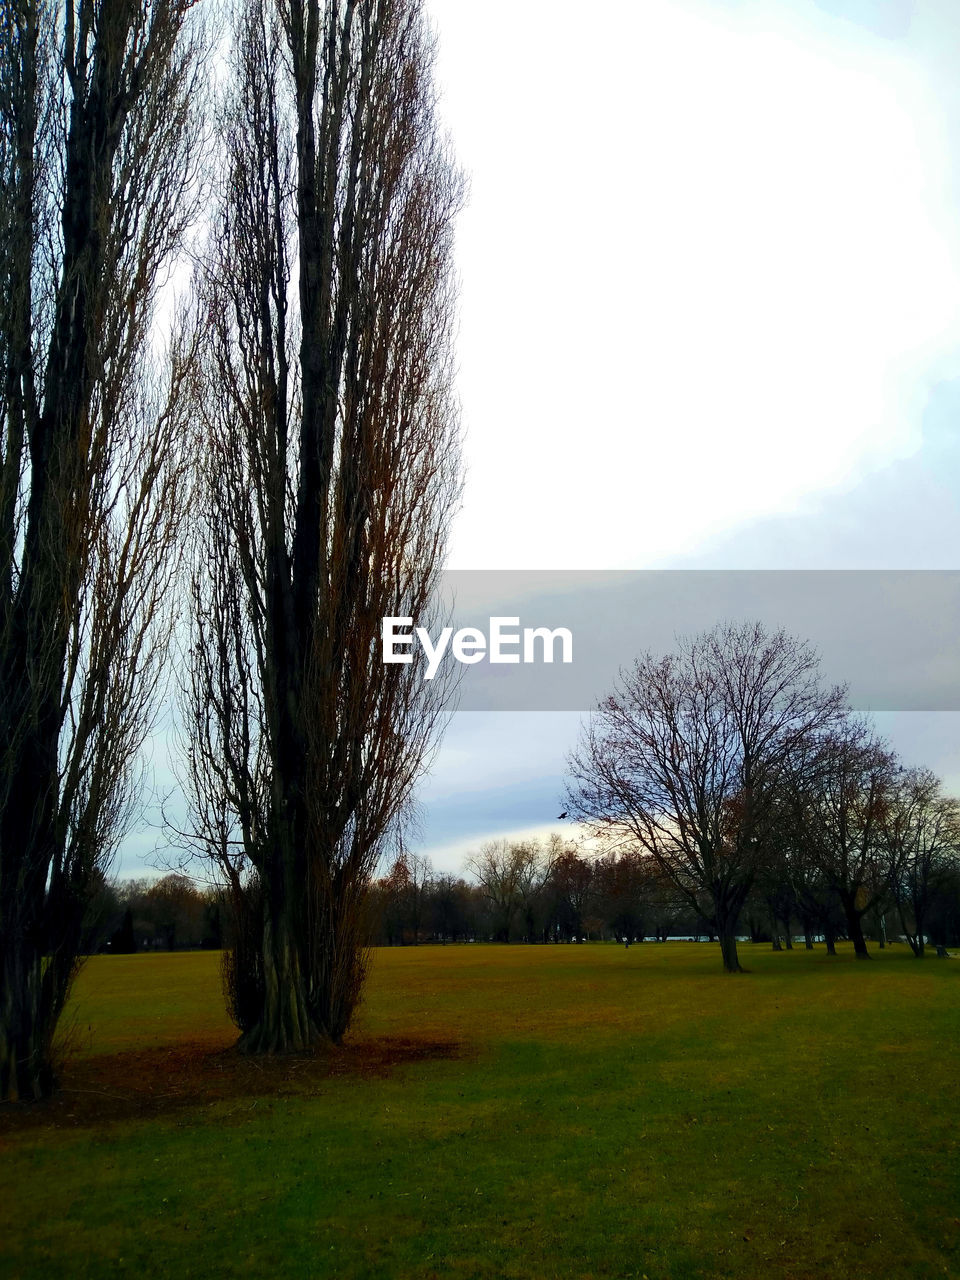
[(136, 1084)]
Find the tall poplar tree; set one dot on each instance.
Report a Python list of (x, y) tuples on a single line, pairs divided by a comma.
[(96, 156), (329, 463)]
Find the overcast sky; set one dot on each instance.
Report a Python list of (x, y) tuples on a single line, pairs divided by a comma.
[(710, 263), (710, 318)]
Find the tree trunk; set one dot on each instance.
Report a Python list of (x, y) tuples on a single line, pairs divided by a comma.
[(917, 941), (830, 936), (32, 899), (67, 396), (728, 949), (855, 930), (285, 1024), (25, 1071)]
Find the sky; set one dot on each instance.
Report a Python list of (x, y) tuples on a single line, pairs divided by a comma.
[(709, 319)]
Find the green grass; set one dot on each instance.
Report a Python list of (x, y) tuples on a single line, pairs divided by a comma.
[(611, 1113)]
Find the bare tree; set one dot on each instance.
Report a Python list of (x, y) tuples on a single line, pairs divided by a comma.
[(687, 757), (572, 887), (922, 832), (506, 872), (534, 861), (96, 152), (511, 875), (814, 902), (404, 891), (328, 473), (622, 890), (842, 798)]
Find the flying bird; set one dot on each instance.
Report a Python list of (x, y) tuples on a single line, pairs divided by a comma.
[(561, 815)]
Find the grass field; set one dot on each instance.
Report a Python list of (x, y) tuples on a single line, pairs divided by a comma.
[(507, 1112)]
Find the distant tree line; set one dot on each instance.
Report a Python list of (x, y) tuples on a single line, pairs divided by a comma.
[(525, 891), (167, 914), (552, 892), (532, 891)]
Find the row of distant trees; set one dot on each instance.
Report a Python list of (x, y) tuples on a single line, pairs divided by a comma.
[(527, 891), (531, 891), (172, 913)]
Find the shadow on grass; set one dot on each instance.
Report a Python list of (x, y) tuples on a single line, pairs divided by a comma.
[(153, 1082)]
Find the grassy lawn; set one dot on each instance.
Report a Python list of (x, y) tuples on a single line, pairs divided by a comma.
[(507, 1112)]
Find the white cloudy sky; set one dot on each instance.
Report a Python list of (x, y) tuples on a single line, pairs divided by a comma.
[(710, 262), (710, 316)]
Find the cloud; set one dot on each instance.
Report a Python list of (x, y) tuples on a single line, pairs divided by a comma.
[(715, 279), (905, 515)]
